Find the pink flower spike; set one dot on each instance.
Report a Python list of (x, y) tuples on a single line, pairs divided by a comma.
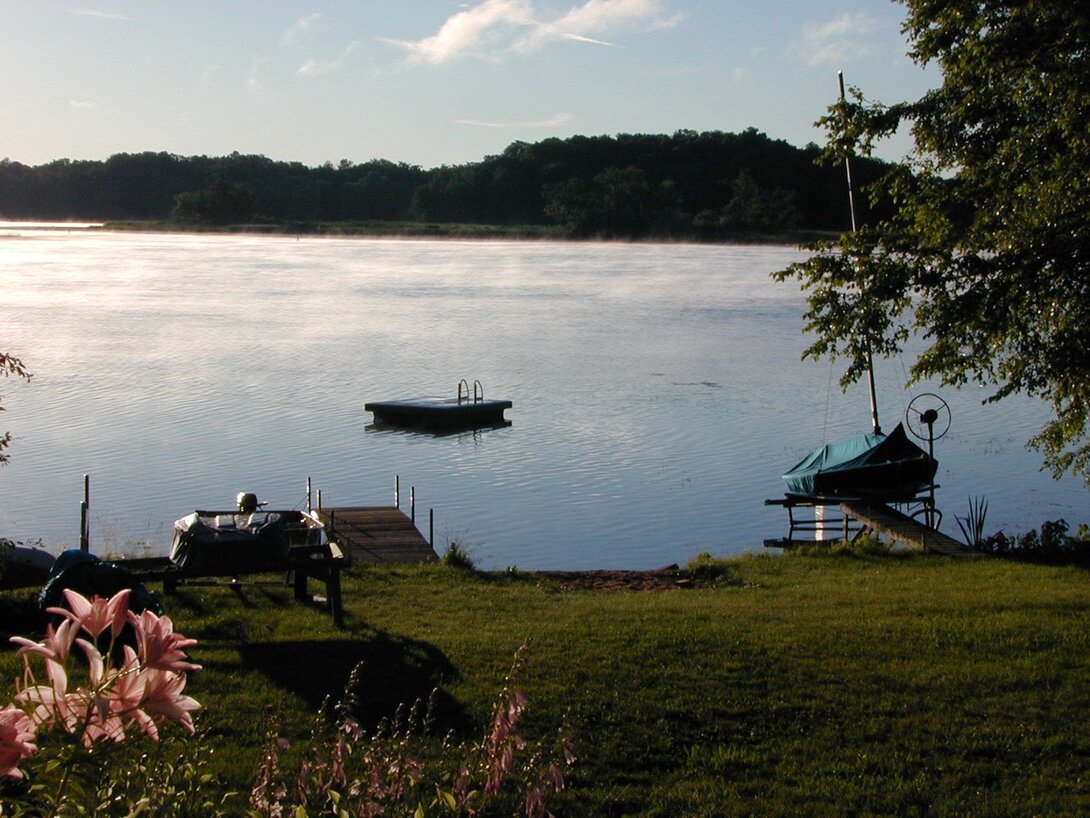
[(97, 614), (16, 740)]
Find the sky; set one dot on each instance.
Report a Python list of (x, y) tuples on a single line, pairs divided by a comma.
[(429, 82)]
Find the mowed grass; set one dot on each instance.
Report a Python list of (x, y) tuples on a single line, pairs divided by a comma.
[(796, 685)]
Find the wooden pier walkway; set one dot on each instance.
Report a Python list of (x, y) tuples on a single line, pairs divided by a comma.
[(900, 527), (376, 534)]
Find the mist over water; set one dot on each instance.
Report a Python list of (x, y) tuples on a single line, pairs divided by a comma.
[(658, 392)]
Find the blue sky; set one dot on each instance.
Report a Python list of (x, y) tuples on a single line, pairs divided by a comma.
[(428, 82)]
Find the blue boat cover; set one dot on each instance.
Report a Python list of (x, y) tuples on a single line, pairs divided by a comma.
[(877, 466)]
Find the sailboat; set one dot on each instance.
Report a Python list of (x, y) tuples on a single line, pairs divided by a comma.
[(874, 466), (887, 468)]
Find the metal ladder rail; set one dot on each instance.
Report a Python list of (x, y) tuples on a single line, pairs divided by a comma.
[(478, 391)]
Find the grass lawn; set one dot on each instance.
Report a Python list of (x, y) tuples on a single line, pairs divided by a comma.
[(794, 685)]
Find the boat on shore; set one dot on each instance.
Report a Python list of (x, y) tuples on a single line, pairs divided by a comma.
[(888, 468), (247, 539), (25, 566)]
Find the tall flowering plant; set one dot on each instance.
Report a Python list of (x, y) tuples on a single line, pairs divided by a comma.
[(132, 682), (393, 772)]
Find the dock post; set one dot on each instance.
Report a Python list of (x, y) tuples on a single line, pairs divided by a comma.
[(397, 491), (84, 545), (431, 527), (319, 499), (412, 503), (84, 522), (308, 496)]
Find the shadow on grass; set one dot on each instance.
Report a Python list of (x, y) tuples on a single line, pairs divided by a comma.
[(20, 616), (394, 671)]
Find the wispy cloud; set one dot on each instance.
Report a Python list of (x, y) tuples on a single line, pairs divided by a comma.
[(846, 38), (106, 15), (551, 122), (485, 26), (81, 105), (579, 38), (596, 17), (300, 28), (314, 68), (495, 27)]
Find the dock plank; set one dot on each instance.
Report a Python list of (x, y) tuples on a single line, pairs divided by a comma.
[(376, 534), (900, 527)]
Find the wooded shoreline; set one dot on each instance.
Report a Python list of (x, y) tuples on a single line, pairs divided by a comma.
[(452, 230), (686, 186)]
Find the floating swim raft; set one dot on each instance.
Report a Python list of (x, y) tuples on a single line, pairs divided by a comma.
[(442, 414)]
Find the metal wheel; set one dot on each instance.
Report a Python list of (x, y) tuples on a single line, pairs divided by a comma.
[(928, 416), (932, 517)]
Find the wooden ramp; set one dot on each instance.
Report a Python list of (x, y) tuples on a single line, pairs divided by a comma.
[(376, 534), (900, 527)]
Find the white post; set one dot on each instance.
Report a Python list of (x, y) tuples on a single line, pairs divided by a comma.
[(820, 527)]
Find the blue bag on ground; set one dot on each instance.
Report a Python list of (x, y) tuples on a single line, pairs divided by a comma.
[(91, 576)]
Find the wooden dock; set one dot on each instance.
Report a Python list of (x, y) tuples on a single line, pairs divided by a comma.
[(376, 534), (883, 519)]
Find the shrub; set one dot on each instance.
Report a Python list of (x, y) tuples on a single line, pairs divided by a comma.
[(705, 566), (1051, 543), (458, 556)]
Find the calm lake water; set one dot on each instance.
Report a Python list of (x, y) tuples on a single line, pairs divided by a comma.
[(658, 393)]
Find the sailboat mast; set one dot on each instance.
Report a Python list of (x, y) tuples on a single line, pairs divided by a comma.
[(851, 207), (847, 158)]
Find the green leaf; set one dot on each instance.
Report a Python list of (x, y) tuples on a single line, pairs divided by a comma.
[(448, 799)]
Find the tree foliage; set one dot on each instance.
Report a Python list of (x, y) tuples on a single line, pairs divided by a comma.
[(10, 365), (710, 186), (221, 203), (986, 255)]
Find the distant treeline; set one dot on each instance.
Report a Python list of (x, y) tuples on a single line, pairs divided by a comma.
[(687, 185)]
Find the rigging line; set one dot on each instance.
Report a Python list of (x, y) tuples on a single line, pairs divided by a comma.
[(851, 207), (828, 397), (907, 384)]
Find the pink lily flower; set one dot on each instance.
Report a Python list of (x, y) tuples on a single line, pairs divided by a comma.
[(56, 644), (160, 647), (129, 693), (52, 702), (99, 723), (117, 701), (95, 615), (163, 697), (16, 740)]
